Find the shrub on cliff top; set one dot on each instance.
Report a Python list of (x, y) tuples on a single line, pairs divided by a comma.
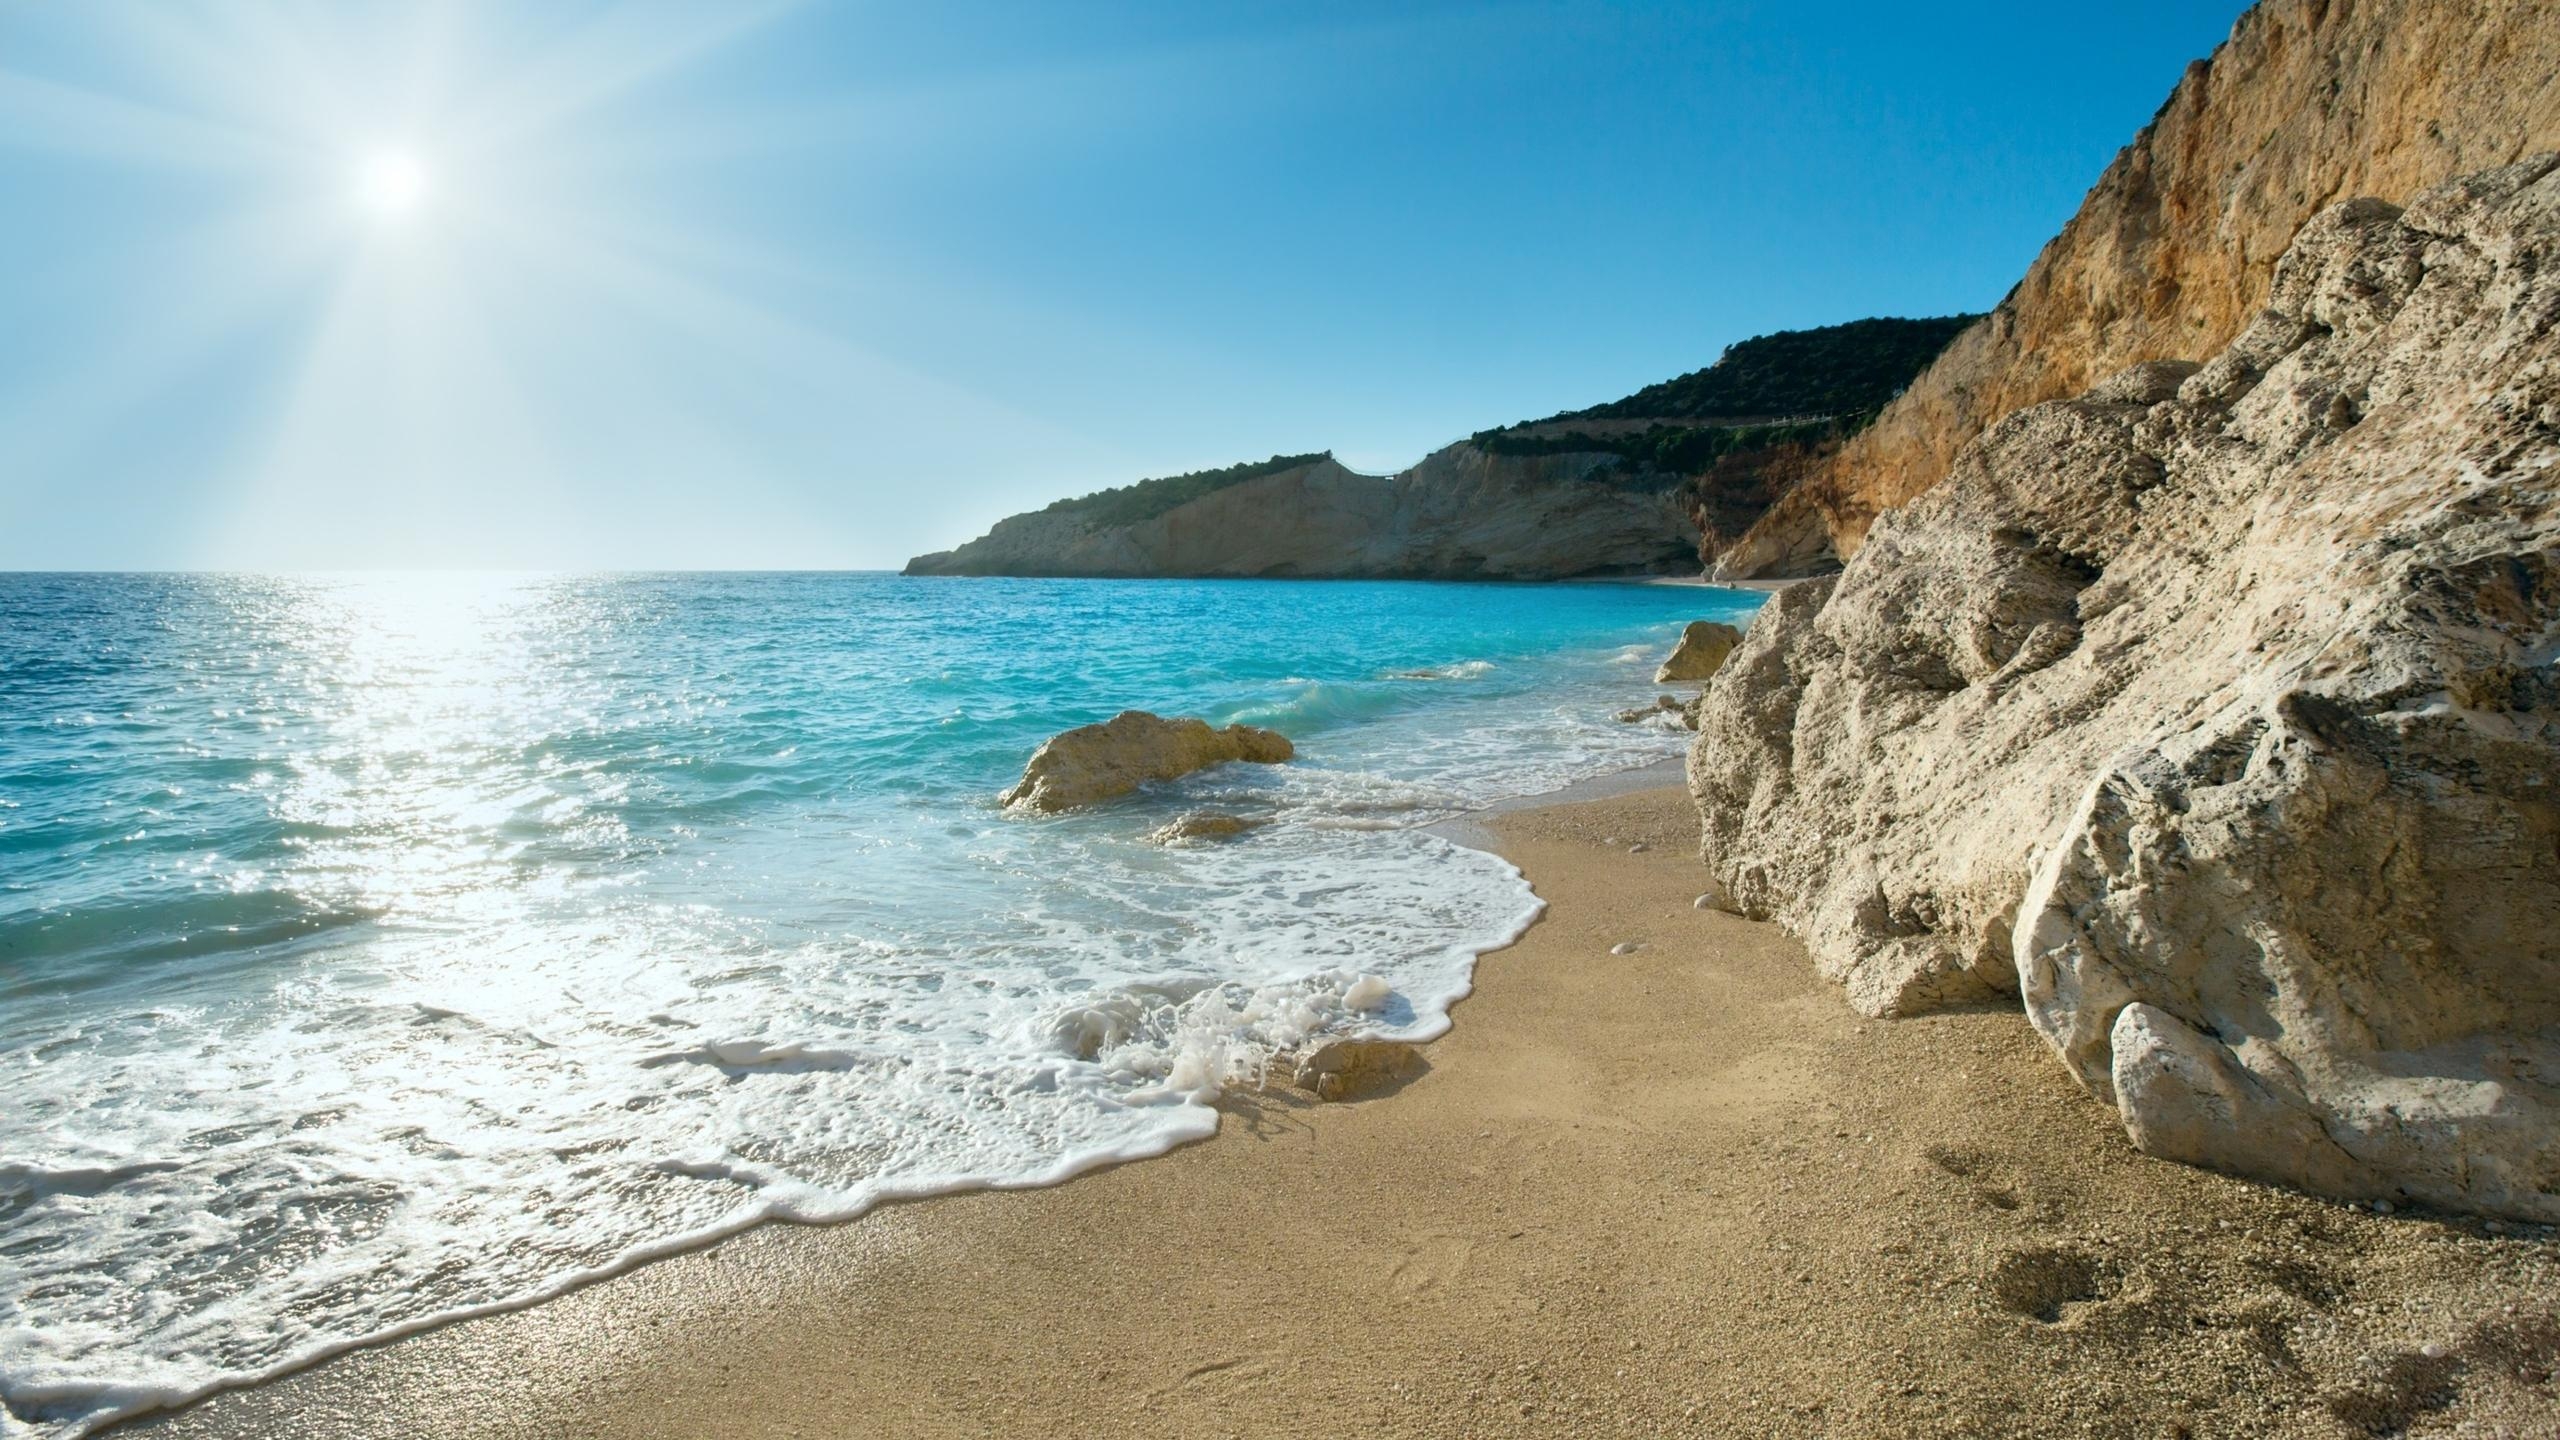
[(1664, 451), (1146, 499), (1830, 371)]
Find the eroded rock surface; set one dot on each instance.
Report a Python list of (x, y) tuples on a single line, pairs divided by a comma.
[(2172, 251), (1096, 762), (2215, 715), (1703, 646)]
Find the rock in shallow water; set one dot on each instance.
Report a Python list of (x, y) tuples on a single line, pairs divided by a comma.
[(1351, 1069), (1096, 762), (1662, 704), (1196, 826), (2216, 714)]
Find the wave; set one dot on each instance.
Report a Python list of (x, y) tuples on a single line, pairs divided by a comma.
[(738, 1056), (1194, 1041), (26, 1182), (1318, 705), (112, 943), (1171, 1049), (717, 945), (1463, 670)]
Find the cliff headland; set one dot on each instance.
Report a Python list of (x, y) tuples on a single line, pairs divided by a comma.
[(1655, 483)]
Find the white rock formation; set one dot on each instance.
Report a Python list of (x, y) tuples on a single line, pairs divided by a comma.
[(2215, 714)]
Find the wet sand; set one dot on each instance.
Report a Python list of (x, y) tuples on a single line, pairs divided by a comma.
[(1682, 1191)]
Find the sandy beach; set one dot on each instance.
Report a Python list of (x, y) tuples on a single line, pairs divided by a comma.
[(779, 722), (1679, 1191)]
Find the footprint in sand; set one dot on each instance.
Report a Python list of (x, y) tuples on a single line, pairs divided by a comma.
[(1230, 1370), (1437, 1262)]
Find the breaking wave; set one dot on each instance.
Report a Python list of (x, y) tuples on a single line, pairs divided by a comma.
[(422, 947)]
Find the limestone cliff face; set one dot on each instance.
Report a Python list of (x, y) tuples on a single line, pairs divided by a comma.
[(1461, 514), (2172, 251), (2215, 714)]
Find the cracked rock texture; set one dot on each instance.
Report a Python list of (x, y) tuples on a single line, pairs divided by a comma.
[(2170, 255), (2214, 715)]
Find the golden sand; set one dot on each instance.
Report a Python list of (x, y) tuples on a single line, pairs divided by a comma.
[(1681, 1191)]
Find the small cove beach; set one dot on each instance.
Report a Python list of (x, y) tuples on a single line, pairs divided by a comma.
[(1682, 1191)]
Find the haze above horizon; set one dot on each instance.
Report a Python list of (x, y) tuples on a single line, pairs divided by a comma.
[(576, 285)]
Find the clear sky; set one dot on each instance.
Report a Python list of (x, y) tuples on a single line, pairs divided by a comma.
[(561, 284)]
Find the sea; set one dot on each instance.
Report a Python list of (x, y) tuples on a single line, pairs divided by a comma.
[(377, 950)]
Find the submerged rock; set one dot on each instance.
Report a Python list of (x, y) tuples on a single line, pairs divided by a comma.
[(1193, 827), (1096, 762), (1685, 711), (2215, 715), (1662, 704), (1701, 652), (1351, 1069)]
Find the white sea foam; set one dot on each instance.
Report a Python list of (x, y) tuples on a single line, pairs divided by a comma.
[(523, 1000), (821, 1102)]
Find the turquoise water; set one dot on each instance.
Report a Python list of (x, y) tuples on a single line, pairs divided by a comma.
[(376, 950)]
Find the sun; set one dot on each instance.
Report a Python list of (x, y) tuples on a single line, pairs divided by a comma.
[(392, 183)]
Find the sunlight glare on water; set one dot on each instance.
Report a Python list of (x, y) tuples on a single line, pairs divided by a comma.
[(377, 949)]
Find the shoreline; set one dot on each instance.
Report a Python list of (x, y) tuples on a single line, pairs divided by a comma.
[(1684, 1190), (1463, 829), (1757, 587)]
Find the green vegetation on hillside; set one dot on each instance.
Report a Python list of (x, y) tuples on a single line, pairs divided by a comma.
[(1147, 499), (1837, 370), (1669, 449), (1804, 388)]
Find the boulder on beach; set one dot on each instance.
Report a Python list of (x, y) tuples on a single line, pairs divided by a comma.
[(1096, 762), (1194, 826), (1352, 1069), (1701, 652)]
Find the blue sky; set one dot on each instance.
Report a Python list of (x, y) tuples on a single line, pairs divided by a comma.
[(319, 284)]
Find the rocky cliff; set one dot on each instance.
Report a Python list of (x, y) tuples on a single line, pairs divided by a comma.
[(2173, 249), (2215, 714), (1656, 482), (1460, 514)]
